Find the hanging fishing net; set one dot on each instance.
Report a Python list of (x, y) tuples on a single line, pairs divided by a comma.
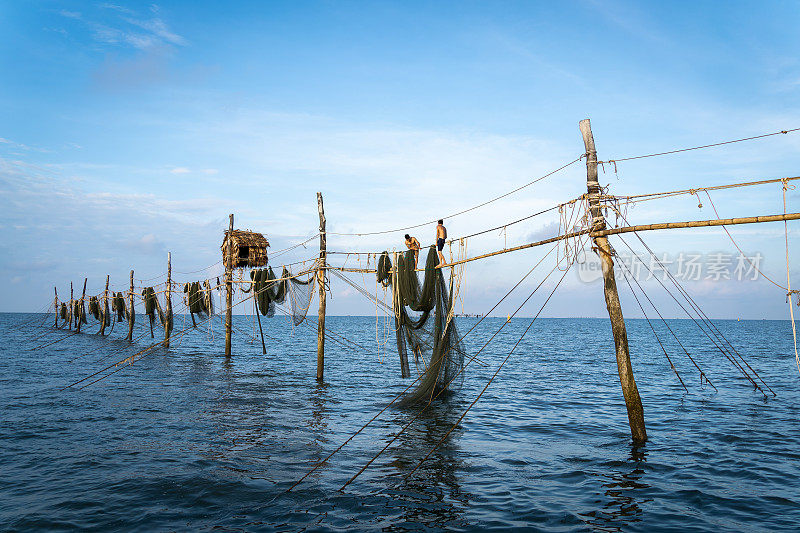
[(270, 291), (425, 324)]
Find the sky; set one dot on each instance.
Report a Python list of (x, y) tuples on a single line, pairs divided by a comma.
[(129, 130)]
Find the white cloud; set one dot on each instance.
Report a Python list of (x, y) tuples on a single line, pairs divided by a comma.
[(180, 170), (210, 171)]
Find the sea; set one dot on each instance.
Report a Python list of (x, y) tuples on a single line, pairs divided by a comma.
[(184, 439)]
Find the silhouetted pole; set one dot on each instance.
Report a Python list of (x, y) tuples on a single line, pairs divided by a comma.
[(71, 305), (168, 301), (132, 313), (321, 276), (80, 307), (105, 309), (229, 290), (633, 401), (55, 304)]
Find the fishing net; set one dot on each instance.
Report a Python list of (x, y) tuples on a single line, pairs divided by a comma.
[(432, 337), (271, 291), (94, 307), (150, 300)]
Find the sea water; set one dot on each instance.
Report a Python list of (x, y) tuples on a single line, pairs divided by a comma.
[(186, 440)]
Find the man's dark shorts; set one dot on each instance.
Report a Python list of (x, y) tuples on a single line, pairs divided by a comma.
[(440, 244)]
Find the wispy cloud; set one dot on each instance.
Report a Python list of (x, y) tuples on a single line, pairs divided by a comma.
[(180, 170)]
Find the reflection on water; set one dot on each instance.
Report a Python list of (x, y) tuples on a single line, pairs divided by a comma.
[(623, 486), (432, 491)]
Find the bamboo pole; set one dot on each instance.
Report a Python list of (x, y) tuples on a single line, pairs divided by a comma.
[(613, 231), (168, 301), (105, 308), (633, 402), (321, 277), (71, 306), (55, 304), (229, 290), (132, 312), (80, 307), (258, 316)]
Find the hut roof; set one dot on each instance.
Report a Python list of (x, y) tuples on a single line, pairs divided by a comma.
[(246, 238)]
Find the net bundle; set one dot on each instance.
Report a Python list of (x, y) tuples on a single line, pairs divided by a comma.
[(198, 298), (271, 291), (425, 325)]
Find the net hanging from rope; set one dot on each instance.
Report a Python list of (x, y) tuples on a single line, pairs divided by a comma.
[(437, 348), (270, 290)]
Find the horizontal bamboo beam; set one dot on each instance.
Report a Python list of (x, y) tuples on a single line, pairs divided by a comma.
[(614, 231), (699, 224)]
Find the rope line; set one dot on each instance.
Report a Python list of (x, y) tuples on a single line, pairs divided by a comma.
[(782, 132), (509, 193)]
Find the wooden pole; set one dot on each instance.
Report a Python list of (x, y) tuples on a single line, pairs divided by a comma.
[(80, 306), (132, 312), (258, 316), (55, 304), (630, 392), (105, 308), (168, 301), (229, 290), (321, 277), (71, 305)]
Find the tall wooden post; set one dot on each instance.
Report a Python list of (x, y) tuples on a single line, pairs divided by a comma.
[(71, 306), (168, 301), (80, 307), (321, 277), (229, 290), (55, 305), (132, 312), (630, 392), (105, 308)]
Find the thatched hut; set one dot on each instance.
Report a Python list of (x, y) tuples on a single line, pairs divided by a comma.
[(249, 249)]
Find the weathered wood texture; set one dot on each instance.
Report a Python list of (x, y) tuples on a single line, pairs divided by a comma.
[(168, 300), (55, 304), (105, 308), (321, 280), (131, 311), (633, 402), (71, 305), (229, 292), (80, 306)]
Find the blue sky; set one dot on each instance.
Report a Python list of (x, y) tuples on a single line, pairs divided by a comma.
[(130, 129)]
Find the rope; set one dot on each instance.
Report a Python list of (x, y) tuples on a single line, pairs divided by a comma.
[(788, 280), (461, 418), (614, 161), (419, 413), (625, 277), (740, 250), (465, 210)]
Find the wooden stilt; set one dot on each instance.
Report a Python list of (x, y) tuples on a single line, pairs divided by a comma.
[(168, 301), (258, 316), (630, 392), (80, 307), (321, 280), (105, 308), (131, 312), (55, 305), (229, 290), (71, 305)]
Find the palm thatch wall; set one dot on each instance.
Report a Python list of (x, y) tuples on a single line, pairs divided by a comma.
[(249, 249)]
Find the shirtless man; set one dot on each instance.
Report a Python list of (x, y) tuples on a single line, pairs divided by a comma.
[(413, 244), (441, 235)]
